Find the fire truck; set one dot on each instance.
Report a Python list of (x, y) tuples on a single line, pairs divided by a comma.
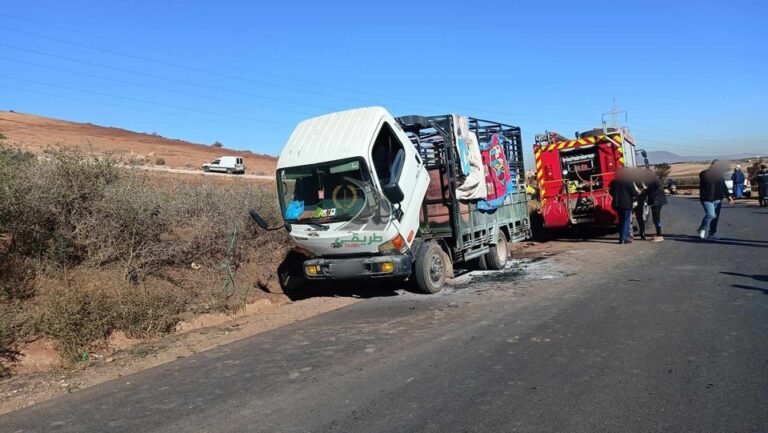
[(574, 174)]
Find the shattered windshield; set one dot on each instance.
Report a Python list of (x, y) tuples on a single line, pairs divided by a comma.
[(324, 192)]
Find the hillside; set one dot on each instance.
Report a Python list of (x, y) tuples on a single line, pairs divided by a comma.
[(35, 133), (658, 156)]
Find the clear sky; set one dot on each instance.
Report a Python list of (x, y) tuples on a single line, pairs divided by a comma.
[(693, 75)]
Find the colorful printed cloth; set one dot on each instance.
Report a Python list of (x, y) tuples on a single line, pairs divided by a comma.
[(498, 180)]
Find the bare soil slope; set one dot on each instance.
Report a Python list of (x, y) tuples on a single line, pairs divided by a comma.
[(35, 133)]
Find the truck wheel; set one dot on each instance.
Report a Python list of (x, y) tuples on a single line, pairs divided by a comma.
[(230, 171), (290, 273), (206, 169), (496, 258), (430, 268)]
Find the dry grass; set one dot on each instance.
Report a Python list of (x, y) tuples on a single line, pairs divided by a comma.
[(89, 248)]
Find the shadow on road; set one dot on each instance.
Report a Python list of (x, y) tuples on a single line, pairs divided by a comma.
[(722, 241), (347, 289), (756, 289), (290, 275), (762, 278)]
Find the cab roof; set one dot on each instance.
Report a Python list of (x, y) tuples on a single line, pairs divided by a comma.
[(345, 134)]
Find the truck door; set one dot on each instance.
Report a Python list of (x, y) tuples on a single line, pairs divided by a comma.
[(395, 159)]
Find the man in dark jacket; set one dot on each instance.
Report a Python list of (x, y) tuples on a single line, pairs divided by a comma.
[(624, 195), (656, 199), (761, 179), (712, 190)]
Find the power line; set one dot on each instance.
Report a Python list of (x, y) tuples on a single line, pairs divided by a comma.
[(148, 86), (195, 69), (681, 132), (174, 65), (160, 77), (107, 104), (530, 119), (143, 101)]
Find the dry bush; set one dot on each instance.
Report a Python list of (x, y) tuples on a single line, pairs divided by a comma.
[(148, 310), (17, 277), (128, 226), (45, 202), (93, 248), (8, 353), (76, 317), (160, 161)]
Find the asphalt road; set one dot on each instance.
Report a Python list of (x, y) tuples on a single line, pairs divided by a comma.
[(669, 337)]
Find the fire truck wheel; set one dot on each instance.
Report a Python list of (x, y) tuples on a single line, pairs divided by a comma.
[(431, 268), (496, 258)]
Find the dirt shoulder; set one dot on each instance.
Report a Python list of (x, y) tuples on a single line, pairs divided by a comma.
[(41, 376), (124, 356)]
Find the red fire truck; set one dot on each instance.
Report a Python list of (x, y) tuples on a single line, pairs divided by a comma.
[(574, 175)]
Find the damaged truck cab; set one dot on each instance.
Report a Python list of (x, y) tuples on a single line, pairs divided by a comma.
[(364, 195), (349, 185)]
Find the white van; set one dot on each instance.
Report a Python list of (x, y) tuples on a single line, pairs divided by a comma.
[(226, 164)]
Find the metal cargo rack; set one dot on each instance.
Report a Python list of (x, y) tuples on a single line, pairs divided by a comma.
[(467, 233)]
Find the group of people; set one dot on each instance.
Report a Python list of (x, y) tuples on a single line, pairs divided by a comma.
[(634, 187), (631, 191)]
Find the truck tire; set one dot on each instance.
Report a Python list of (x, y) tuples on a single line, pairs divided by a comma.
[(430, 269), (496, 258), (230, 171), (206, 169), (290, 273)]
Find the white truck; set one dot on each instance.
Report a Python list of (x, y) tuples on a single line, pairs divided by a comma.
[(365, 195), (226, 164)]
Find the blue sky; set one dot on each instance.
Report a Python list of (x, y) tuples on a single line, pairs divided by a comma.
[(693, 76)]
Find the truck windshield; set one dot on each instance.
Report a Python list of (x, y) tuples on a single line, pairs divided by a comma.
[(323, 192)]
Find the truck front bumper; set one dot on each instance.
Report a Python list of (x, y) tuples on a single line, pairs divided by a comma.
[(360, 267)]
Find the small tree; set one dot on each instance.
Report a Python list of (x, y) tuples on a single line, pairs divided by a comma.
[(754, 168), (217, 145), (662, 170)]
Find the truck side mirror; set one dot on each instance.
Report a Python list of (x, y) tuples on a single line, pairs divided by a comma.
[(258, 219), (393, 193)]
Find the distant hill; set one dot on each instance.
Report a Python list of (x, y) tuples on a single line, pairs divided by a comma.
[(658, 156), (35, 133)]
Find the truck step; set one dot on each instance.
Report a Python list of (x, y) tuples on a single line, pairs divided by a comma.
[(469, 255)]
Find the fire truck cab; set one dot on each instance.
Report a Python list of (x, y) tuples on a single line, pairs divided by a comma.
[(574, 174)]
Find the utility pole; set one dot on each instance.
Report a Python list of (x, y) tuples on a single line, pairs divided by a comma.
[(613, 114)]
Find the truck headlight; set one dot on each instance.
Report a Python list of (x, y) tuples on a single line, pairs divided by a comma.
[(386, 267), (394, 245), (312, 269)]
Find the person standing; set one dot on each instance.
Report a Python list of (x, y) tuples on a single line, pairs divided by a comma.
[(761, 179), (623, 195), (642, 197), (738, 179), (712, 191), (656, 199)]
